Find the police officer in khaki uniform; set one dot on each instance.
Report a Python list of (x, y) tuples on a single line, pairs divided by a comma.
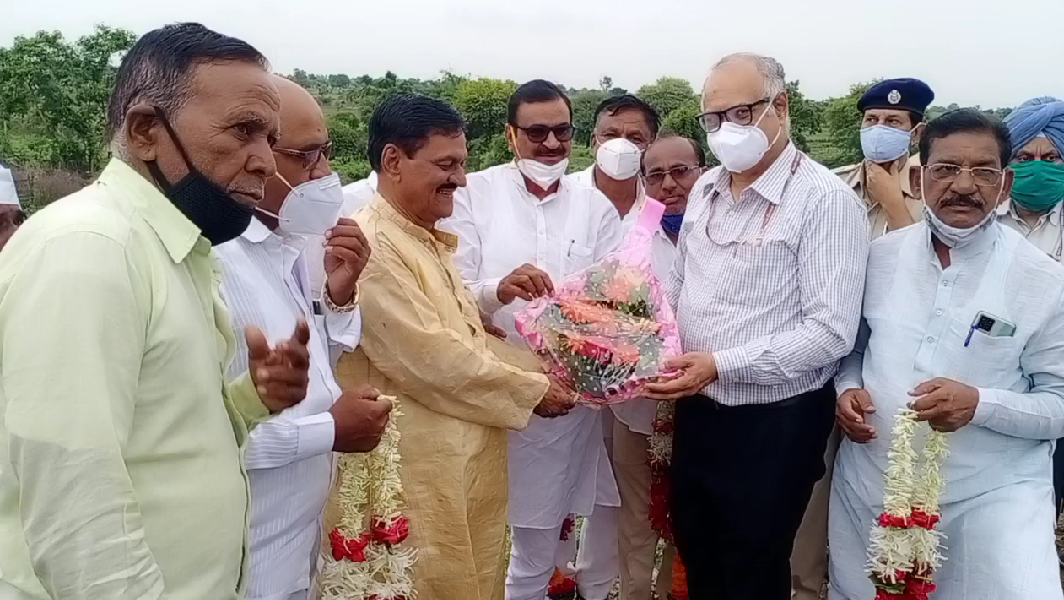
[(892, 115)]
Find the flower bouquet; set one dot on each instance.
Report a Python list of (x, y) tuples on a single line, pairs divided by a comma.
[(904, 548), (608, 329)]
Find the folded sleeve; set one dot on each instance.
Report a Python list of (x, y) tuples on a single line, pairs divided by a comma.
[(69, 395), (406, 340)]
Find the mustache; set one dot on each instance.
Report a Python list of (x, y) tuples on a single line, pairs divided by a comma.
[(967, 200), (550, 153)]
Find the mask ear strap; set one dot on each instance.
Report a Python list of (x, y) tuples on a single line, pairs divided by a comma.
[(161, 114), (511, 135), (285, 182)]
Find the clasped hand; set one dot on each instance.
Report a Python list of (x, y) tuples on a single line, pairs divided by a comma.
[(279, 373), (945, 404)]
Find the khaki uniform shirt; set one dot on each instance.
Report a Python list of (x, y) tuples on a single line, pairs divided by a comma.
[(854, 176), (1047, 234)]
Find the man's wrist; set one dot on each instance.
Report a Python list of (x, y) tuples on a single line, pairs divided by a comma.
[(329, 298)]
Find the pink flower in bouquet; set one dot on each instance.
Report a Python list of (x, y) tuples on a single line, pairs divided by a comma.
[(579, 312), (626, 354), (617, 290)]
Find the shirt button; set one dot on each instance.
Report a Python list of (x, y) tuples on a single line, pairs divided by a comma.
[(945, 284), (930, 339), (938, 313)]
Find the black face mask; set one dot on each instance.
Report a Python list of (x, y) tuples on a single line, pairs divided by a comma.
[(208, 206)]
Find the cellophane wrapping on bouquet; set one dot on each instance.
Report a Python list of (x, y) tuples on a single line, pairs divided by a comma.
[(608, 329)]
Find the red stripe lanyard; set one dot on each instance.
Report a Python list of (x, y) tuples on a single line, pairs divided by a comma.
[(770, 210)]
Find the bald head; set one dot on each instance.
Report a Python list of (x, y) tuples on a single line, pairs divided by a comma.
[(302, 122), (748, 77), (302, 129)]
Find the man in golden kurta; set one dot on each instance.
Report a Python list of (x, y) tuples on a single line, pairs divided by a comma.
[(423, 341)]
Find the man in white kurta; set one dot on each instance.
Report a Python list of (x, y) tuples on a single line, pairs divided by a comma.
[(266, 281), (965, 320), (557, 466)]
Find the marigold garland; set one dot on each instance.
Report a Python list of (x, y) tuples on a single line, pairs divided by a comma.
[(904, 548), (367, 561)]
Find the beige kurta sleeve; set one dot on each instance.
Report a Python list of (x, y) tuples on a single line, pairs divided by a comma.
[(446, 370)]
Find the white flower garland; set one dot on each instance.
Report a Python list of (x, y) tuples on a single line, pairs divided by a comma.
[(904, 547), (366, 561)]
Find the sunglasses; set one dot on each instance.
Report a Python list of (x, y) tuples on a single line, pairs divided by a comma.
[(311, 157), (537, 134)]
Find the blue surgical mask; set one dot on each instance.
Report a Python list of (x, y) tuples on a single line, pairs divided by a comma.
[(671, 223), (883, 144)]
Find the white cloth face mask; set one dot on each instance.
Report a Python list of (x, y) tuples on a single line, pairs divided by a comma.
[(310, 208), (543, 175), (619, 159), (955, 237), (740, 147)]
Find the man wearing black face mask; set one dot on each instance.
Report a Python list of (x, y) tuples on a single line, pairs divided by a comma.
[(122, 458)]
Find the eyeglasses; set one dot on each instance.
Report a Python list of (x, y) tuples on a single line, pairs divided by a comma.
[(742, 114), (311, 157), (982, 176), (677, 173), (537, 134)]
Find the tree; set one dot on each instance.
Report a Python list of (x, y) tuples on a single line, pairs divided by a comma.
[(683, 120), (584, 104), (61, 88), (339, 80), (805, 117), (482, 103), (841, 128), (606, 83), (667, 94)]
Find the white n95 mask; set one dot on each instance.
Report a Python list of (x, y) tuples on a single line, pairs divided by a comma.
[(618, 158), (310, 208), (740, 147)]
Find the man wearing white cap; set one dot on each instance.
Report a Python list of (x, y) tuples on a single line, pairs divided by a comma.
[(11, 215)]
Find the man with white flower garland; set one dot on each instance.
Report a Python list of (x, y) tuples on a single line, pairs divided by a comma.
[(963, 321)]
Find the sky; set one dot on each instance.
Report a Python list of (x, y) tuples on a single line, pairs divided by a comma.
[(972, 52)]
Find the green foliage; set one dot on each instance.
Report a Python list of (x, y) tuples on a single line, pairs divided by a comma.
[(54, 94), (667, 94), (841, 128), (805, 116), (584, 104), (483, 104), (58, 90)]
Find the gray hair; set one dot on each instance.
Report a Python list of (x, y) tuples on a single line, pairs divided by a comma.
[(773, 77), (158, 68)]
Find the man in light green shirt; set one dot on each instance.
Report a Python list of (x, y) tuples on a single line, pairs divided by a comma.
[(120, 443)]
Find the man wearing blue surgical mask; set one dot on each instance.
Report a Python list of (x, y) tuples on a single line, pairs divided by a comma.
[(892, 114), (266, 280)]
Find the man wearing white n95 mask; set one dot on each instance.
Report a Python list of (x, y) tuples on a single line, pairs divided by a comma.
[(611, 539), (767, 290), (265, 280), (624, 127), (523, 226)]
